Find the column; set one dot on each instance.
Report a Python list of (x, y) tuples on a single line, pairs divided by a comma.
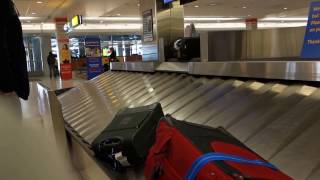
[(251, 23), (167, 21), (149, 45), (45, 49), (64, 54)]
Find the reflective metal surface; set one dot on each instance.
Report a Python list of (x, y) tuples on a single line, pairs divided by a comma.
[(173, 67), (254, 44), (226, 45), (288, 70), (279, 121), (282, 70), (134, 66)]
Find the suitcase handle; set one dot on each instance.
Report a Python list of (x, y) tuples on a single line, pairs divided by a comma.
[(111, 142), (207, 158)]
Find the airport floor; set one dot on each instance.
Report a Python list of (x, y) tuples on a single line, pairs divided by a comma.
[(29, 149)]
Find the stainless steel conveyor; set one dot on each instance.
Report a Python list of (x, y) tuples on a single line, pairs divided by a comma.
[(273, 107)]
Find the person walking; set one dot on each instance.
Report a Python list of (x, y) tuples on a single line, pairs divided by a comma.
[(51, 59)]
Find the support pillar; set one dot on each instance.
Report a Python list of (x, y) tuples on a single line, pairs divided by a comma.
[(45, 49), (168, 26), (251, 23), (64, 54)]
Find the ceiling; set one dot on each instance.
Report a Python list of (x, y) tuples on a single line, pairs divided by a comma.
[(217, 8), (38, 15), (46, 10), (244, 8)]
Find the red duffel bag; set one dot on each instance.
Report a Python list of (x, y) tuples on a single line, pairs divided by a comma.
[(188, 151)]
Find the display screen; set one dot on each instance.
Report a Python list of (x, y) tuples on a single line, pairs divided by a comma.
[(186, 1), (167, 1), (76, 21)]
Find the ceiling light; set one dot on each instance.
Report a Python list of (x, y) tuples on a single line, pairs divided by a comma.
[(285, 8), (112, 18), (239, 25), (27, 18), (212, 4), (244, 7), (130, 26), (33, 13), (39, 2), (118, 14), (210, 19), (196, 6), (285, 19), (138, 5)]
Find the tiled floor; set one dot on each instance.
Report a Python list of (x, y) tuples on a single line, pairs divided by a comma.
[(28, 148)]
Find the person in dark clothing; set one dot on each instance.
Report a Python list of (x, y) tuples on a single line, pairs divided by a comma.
[(51, 59), (113, 55), (13, 66)]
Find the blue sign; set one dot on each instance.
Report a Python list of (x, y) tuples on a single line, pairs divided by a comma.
[(92, 42), (94, 67), (93, 54), (311, 47)]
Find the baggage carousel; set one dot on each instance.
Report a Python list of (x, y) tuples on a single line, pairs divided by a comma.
[(273, 107)]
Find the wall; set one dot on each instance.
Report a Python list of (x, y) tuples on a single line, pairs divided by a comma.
[(253, 45)]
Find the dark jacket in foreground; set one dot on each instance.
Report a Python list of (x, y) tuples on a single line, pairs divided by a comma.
[(13, 65)]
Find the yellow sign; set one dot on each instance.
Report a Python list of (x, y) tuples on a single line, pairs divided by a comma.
[(76, 21)]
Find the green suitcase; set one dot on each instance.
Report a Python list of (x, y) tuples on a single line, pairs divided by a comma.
[(127, 139)]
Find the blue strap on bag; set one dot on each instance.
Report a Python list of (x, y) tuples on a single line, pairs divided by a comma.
[(207, 158)]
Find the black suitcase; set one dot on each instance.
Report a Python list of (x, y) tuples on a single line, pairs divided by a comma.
[(127, 139)]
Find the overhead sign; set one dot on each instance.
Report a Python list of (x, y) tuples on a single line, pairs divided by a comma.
[(76, 21), (311, 47)]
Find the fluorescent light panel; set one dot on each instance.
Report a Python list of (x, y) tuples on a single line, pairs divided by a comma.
[(112, 18), (131, 26), (210, 19), (28, 18), (284, 19)]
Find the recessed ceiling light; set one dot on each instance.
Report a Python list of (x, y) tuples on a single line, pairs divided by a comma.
[(33, 13), (285, 8), (138, 4), (196, 6), (212, 4), (244, 7), (39, 2)]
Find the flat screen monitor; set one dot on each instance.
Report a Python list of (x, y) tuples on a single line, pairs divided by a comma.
[(167, 1), (186, 1), (76, 21)]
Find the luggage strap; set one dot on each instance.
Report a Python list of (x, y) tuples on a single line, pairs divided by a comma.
[(207, 158)]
